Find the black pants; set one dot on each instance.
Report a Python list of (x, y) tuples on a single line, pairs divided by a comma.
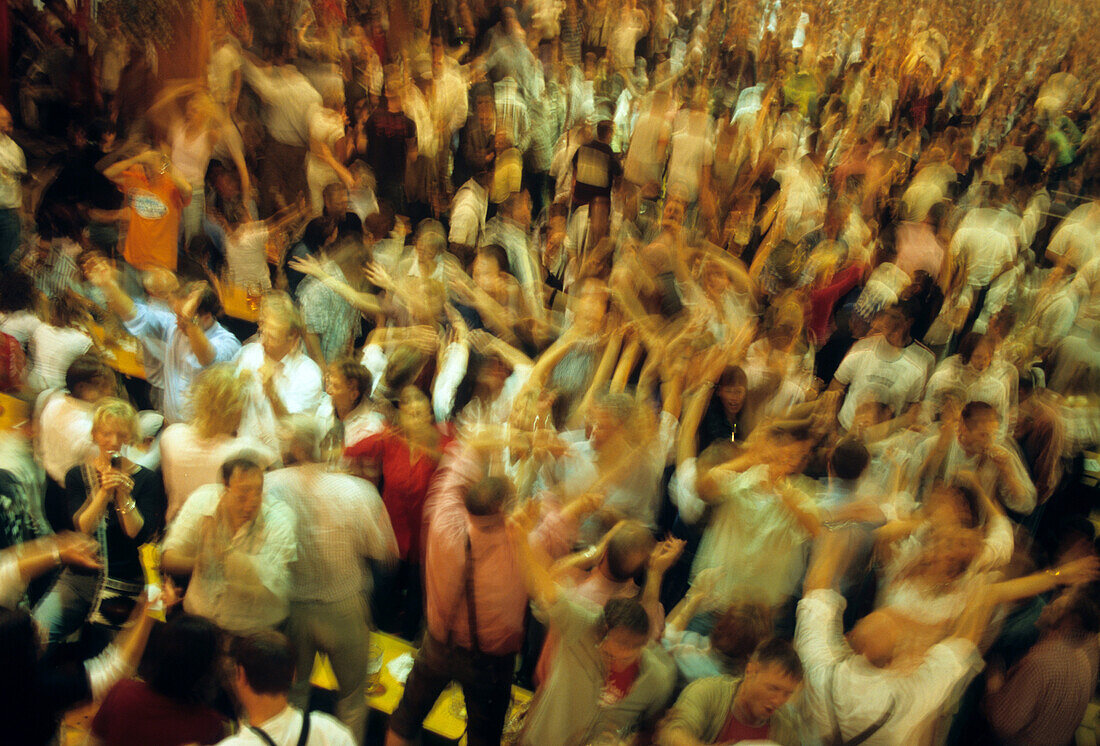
[(486, 682)]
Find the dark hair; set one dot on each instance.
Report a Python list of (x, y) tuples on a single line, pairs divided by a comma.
[(488, 496), (1083, 605), (976, 409), (64, 311), (733, 375), (849, 458), (625, 613), (604, 129), (968, 344), (183, 666), (739, 631), (244, 463), (404, 367), (779, 652), (86, 369), (355, 372), (16, 291), (267, 659), (498, 254), (209, 302), (971, 501)]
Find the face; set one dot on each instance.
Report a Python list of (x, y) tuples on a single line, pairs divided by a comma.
[(415, 412), (243, 496), (485, 111), (336, 202), (732, 397), (485, 273), (673, 213), (336, 385), (111, 434), (621, 649), (890, 323), (981, 357), (766, 688), (602, 425), (977, 435), (275, 336)]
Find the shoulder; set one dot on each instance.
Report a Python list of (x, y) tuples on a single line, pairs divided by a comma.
[(335, 733)]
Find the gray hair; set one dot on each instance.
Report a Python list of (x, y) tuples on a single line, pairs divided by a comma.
[(301, 431)]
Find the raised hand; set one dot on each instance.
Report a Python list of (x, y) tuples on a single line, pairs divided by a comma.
[(665, 554), (308, 265)]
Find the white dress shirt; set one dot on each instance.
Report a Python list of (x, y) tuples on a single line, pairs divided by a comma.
[(286, 727), (241, 579), (298, 380)]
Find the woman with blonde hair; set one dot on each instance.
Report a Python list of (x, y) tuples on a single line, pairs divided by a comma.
[(120, 504), (192, 453)]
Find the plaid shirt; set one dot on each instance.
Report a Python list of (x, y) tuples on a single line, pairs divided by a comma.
[(512, 112), (547, 124), (341, 520)]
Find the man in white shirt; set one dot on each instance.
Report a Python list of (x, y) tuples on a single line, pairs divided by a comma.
[(264, 673), (291, 382), (341, 521), (887, 363), (13, 169), (237, 547), (855, 689)]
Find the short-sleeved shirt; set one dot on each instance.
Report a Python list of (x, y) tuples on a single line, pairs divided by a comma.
[(155, 207), (874, 366)]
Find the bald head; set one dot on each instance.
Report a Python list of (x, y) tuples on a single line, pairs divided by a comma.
[(876, 637)]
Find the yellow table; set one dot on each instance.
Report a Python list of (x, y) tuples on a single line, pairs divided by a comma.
[(236, 302), (448, 717), (126, 359), (13, 411)]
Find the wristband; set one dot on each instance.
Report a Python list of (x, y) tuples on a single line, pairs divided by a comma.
[(56, 554)]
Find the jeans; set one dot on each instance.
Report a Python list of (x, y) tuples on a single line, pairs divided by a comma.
[(67, 605), (340, 630)]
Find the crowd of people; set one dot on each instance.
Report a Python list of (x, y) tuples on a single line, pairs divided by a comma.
[(721, 372)]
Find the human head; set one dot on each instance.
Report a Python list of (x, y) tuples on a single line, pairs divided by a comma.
[(300, 436), (611, 413), (790, 446), (488, 496), (1075, 608), (772, 676), (628, 550), (182, 664), (849, 459), (431, 240), (893, 323), (17, 291), (114, 424), (489, 267), (334, 196), (978, 427), (281, 326), (243, 478), (265, 663), (209, 304), (604, 131), (6, 124), (89, 379), (64, 311), (217, 401), (414, 410), (348, 379), (740, 629), (625, 631), (403, 368), (876, 637)]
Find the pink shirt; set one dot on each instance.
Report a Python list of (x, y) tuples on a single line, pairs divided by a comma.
[(918, 248), (499, 590)]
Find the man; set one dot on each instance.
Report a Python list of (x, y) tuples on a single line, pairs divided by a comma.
[(288, 97), (887, 362), (968, 441), (608, 678), (156, 193), (13, 169), (391, 146), (510, 229), (728, 710), (341, 522), (331, 321), (335, 223), (237, 548), (65, 431), (1043, 698), (264, 671), (477, 138), (291, 382), (192, 338), (476, 602), (853, 691), (595, 166)]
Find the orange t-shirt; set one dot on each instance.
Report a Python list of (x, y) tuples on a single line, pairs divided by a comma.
[(152, 235)]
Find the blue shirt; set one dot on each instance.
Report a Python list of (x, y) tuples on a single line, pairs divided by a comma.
[(181, 366)]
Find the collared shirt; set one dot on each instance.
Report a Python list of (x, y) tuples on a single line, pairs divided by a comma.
[(1017, 494), (13, 166), (286, 727), (341, 521), (241, 579), (64, 434), (468, 210), (499, 590), (181, 366), (287, 96), (298, 380), (841, 682), (327, 314)]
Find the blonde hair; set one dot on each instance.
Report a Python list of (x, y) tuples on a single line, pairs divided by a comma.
[(117, 410), (217, 401), (279, 303)]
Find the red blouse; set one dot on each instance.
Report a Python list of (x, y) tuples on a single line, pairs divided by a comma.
[(404, 482)]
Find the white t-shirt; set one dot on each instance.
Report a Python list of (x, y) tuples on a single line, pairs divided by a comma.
[(874, 366), (64, 434), (286, 727), (53, 349), (21, 325), (246, 256), (692, 148), (188, 461), (298, 380)]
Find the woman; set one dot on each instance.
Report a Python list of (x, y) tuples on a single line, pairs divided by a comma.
[(59, 341), (121, 506), (192, 453), (34, 694), (354, 416), (170, 706), (408, 455)]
